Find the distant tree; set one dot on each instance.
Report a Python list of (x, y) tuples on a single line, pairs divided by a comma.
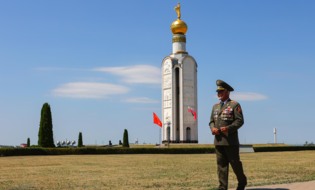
[(306, 143), (80, 141), (125, 139), (309, 144), (45, 133), (28, 142)]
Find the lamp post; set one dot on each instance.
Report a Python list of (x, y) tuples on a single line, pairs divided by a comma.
[(275, 135)]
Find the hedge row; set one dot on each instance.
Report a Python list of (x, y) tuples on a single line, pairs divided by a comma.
[(119, 150), (89, 150), (282, 148)]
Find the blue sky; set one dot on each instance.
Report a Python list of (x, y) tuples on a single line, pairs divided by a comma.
[(97, 63)]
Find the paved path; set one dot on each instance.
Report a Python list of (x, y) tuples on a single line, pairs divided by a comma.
[(310, 185)]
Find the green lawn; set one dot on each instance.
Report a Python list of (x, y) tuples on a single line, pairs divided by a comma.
[(148, 171)]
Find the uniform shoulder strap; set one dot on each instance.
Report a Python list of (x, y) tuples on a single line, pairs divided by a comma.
[(233, 103)]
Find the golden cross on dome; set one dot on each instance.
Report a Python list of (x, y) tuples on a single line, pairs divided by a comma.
[(177, 9)]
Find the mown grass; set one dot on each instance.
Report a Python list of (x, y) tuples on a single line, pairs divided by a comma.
[(147, 171)]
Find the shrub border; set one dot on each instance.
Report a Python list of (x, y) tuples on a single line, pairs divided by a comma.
[(119, 150)]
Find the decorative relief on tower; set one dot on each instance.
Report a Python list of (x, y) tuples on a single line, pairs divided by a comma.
[(167, 97), (168, 104), (167, 94), (167, 115), (167, 83), (167, 67)]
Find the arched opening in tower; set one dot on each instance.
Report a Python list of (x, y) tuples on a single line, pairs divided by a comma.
[(177, 106), (188, 135)]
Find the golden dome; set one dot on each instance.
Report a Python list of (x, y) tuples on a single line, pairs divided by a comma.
[(179, 27)]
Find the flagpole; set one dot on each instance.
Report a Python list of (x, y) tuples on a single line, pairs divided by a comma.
[(158, 122), (160, 137), (159, 140)]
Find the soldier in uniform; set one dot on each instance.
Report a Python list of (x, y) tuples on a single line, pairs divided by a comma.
[(225, 120)]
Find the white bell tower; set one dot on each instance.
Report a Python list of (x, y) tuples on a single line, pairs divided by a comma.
[(179, 89)]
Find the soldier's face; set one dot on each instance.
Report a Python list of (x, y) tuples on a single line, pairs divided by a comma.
[(223, 95)]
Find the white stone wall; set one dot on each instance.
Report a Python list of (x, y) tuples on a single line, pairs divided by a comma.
[(167, 96), (187, 98)]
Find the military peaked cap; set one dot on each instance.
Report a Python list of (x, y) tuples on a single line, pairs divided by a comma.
[(223, 86)]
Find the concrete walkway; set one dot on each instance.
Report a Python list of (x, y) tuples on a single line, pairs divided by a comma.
[(310, 185)]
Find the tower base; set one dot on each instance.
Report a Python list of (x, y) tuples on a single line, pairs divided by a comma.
[(178, 142)]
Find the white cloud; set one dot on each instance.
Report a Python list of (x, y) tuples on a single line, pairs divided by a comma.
[(89, 90), (141, 100), (143, 74), (248, 96)]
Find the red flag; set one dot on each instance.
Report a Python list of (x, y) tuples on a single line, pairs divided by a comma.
[(156, 120), (193, 112)]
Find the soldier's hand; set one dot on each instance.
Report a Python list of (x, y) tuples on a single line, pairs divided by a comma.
[(215, 131), (224, 130)]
